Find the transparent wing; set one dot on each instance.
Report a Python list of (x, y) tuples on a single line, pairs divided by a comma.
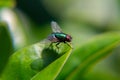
[(55, 27)]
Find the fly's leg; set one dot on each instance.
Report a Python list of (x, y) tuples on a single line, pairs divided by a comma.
[(57, 45), (51, 45), (69, 45)]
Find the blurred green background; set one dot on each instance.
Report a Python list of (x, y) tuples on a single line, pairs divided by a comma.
[(28, 22)]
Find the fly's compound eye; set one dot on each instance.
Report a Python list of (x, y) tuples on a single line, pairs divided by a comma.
[(68, 38)]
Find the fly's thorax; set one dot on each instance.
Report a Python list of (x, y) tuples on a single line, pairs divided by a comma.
[(61, 37)]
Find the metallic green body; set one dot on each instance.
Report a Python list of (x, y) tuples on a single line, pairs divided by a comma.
[(60, 36)]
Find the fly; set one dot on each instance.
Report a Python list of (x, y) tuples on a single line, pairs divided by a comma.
[(57, 36)]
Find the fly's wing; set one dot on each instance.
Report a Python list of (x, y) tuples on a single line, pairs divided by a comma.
[(55, 27)]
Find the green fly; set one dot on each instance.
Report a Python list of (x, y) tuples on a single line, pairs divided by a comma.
[(57, 36)]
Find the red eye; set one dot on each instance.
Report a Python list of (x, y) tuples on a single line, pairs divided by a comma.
[(68, 38)]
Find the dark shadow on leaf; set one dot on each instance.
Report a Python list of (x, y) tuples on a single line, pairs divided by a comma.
[(47, 56)]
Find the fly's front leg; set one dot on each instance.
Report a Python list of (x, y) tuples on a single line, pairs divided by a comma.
[(69, 44)]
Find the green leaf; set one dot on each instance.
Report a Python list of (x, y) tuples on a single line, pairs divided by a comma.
[(51, 72), (34, 60), (6, 47), (88, 54)]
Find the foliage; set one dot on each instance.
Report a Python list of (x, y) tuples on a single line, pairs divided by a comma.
[(26, 54)]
